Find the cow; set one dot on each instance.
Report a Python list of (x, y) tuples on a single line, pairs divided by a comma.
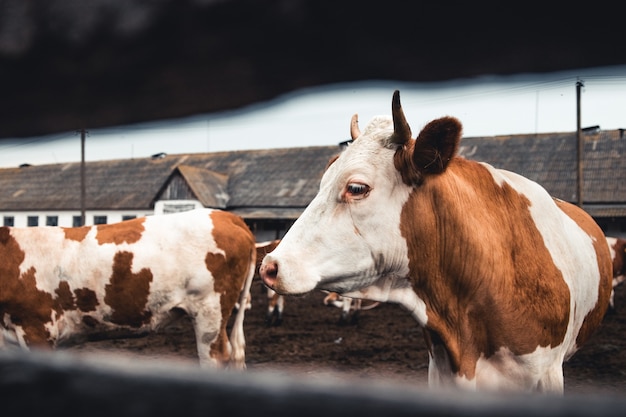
[(275, 302), (506, 281), (60, 286), (347, 305), (617, 247)]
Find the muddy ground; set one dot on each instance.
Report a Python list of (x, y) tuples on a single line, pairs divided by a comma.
[(384, 343)]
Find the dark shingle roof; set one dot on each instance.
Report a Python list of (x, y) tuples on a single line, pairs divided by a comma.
[(256, 178), (551, 160), (262, 181)]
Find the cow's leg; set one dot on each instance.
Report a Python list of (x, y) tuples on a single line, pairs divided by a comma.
[(212, 342), (611, 309), (280, 306), (552, 381), (355, 305), (272, 301), (440, 372), (237, 338), (346, 306), (275, 309), (618, 280)]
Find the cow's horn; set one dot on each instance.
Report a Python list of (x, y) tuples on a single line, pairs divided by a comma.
[(354, 127), (401, 129)]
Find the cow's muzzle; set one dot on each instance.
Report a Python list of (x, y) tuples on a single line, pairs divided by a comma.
[(269, 273)]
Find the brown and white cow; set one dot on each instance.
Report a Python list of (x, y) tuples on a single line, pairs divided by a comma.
[(59, 285), (506, 281), (275, 302), (617, 247), (348, 305)]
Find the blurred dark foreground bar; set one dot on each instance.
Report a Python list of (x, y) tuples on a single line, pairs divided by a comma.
[(57, 384)]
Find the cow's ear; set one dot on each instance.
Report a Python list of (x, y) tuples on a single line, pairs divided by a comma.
[(436, 144)]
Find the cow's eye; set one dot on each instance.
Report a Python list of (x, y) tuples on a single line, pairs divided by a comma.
[(357, 190)]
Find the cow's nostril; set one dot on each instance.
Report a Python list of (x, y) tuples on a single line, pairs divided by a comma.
[(268, 272)]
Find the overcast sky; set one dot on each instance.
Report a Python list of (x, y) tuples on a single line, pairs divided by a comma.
[(486, 106)]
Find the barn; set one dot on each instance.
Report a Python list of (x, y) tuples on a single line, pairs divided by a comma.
[(270, 188)]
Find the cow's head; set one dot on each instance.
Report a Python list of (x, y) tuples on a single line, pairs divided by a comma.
[(349, 237)]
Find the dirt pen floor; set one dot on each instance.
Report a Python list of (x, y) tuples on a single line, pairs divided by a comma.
[(384, 344)]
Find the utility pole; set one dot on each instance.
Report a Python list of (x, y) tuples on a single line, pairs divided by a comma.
[(579, 138), (82, 177)]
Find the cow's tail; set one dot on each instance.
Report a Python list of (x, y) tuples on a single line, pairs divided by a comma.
[(237, 338)]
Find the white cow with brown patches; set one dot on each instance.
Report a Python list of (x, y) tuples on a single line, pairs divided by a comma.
[(617, 246), (506, 281), (58, 285)]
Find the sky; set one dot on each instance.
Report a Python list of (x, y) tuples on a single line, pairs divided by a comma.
[(487, 106)]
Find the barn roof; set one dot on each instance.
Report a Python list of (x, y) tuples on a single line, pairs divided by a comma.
[(551, 160), (209, 187), (242, 180), (281, 182)]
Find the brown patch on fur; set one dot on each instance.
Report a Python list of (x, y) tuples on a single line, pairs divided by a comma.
[(5, 235), (86, 299), (480, 264), (76, 233), (20, 298), (228, 271), (128, 231), (605, 266), (127, 293), (64, 296)]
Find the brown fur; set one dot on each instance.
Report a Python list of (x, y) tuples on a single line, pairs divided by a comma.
[(19, 295), (127, 292), (76, 233), (128, 231), (466, 274), (229, 271)]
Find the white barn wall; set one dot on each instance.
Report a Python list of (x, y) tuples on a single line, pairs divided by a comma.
[(65, 217)]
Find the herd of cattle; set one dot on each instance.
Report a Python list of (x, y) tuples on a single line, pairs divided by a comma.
[(506, 281)]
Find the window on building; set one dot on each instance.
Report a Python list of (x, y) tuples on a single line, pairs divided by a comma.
[(9, 221), (52, 220), (32, 221), (99, 219), (77, 221), (128, 217)]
